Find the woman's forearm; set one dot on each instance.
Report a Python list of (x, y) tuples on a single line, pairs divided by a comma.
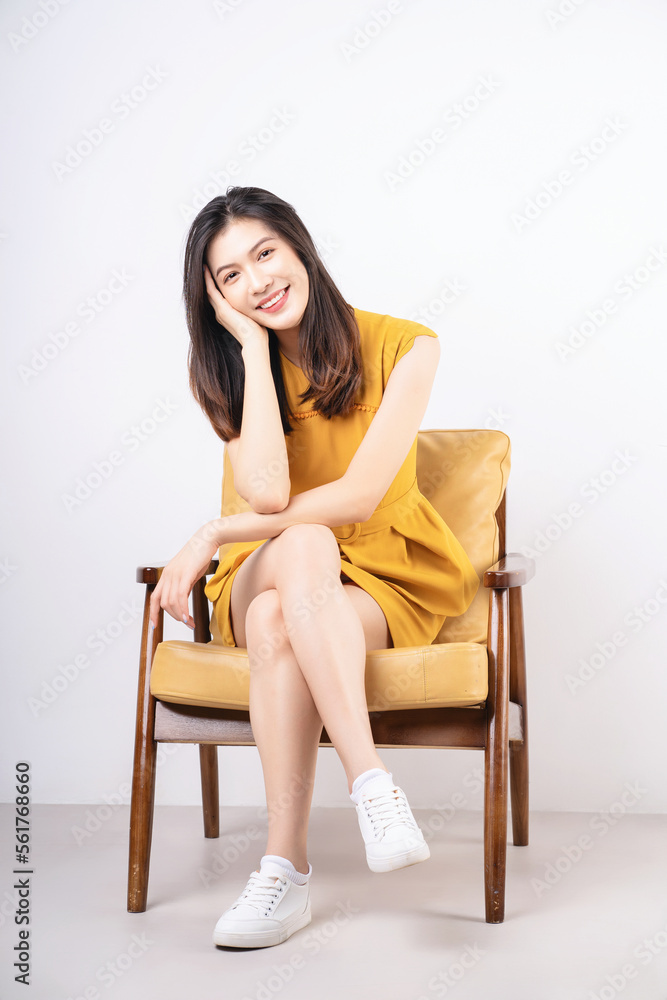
[(333, 504), (261, 474)]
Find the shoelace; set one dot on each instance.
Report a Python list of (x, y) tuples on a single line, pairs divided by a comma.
[(389, 809), (262, 891)]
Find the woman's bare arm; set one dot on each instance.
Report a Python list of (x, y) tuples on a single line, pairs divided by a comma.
[(261, 467), (259, 454), (333, 504)]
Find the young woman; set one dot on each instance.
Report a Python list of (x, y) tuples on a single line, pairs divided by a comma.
[(319, 405)]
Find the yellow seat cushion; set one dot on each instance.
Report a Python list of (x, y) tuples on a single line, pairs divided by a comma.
[(218, 676)]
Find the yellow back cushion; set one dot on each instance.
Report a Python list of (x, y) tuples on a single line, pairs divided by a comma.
[(463, 473)]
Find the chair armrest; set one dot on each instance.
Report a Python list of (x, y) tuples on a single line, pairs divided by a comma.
[(513, 570), (151, 574)]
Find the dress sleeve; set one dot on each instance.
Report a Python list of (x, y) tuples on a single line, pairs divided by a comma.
[(408, 338), (399, 338)]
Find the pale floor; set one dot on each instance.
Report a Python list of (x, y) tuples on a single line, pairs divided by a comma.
[(593, 925)]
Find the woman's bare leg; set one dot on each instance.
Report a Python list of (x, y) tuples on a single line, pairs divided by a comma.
[(283, 711), (287, 728), (328, 640)]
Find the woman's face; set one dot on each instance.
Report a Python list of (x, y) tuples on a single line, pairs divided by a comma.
[(259, 274)]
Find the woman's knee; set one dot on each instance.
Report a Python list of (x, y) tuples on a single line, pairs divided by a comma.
[(265, 626), (306, 546)]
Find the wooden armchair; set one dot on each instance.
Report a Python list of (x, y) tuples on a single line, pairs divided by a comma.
[(466, 690)]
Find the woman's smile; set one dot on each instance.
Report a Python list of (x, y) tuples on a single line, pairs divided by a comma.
[(275, 302)]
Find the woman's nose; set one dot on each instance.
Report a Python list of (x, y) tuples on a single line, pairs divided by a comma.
[(258, 281)]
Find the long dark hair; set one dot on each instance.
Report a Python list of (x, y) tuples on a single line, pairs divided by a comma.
[(329, 345)]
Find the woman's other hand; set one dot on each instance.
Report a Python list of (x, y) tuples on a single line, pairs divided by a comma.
[(240, 326), (180, 575)]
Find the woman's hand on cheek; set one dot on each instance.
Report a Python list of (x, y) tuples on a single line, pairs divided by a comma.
[(242, 327)]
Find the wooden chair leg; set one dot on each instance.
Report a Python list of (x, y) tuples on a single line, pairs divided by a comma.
[(143, 776), (208, 764), (496, 757), (208, 752), (518, 751)]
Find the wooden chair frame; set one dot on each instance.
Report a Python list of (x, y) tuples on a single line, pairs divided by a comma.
[(499, 727)]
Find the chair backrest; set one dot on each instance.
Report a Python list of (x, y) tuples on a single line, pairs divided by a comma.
[(463, 474)]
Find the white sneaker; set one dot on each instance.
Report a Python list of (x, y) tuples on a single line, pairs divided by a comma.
[(268, 911), (393, 839)]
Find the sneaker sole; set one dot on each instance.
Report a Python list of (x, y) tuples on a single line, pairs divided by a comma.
[(403, 859), (262, 939)]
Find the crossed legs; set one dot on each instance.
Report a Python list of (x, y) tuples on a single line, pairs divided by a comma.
[(306, 633)]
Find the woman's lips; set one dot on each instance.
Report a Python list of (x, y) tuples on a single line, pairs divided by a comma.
[(278, 305)]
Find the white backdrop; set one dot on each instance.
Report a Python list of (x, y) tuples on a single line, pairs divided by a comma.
[(493, 169)]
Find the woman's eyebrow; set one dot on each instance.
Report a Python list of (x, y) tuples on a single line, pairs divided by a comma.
[(250, 251)]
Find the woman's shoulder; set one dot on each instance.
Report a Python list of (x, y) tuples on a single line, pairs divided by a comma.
[(389, 336), (385, 327), (384, 341)]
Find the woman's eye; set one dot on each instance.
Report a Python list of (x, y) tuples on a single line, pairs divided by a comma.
[(262, 252)]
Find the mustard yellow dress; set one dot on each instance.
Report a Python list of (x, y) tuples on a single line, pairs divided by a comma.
[(406, 557)]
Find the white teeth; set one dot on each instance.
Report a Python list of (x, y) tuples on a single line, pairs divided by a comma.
[(273, 301)]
